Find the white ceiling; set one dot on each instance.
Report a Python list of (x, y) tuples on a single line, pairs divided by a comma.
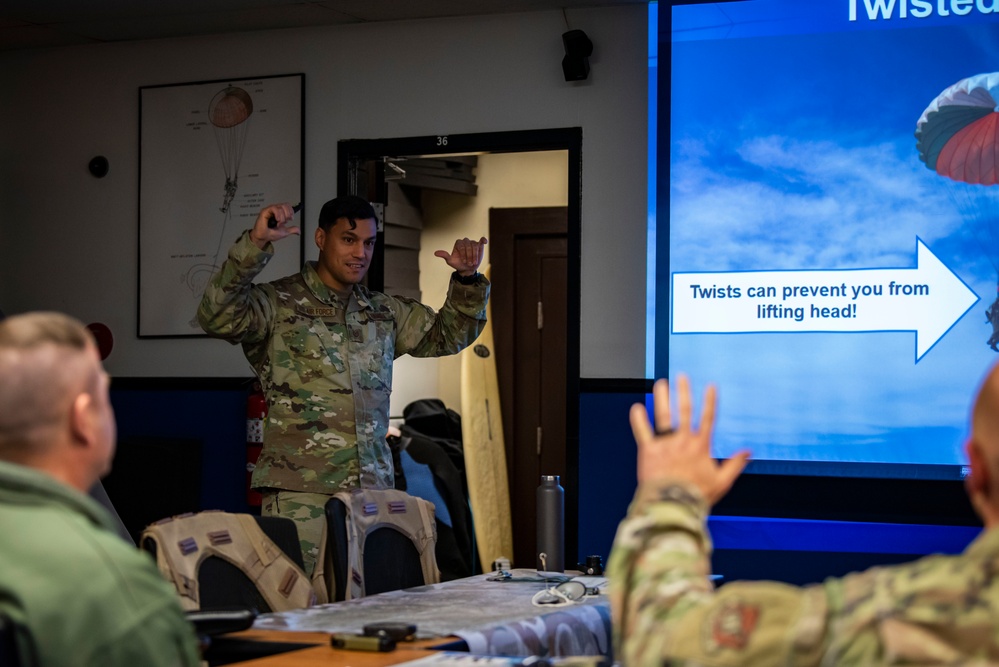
[(27, 24)]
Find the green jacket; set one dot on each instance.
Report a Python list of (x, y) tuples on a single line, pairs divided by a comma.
[(326, 366), (937, 610), (85, 596)]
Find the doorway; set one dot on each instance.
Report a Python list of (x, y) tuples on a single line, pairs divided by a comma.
[(366, 166), (529, 253)]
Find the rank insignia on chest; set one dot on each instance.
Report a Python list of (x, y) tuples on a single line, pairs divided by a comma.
[(318, 311)]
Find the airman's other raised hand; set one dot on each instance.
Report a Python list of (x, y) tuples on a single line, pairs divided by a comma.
[(465, 257)]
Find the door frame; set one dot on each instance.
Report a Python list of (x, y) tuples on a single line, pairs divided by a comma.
[(351, 152)]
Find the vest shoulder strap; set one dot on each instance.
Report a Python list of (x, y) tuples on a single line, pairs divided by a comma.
[(370, 509), (184, 542)]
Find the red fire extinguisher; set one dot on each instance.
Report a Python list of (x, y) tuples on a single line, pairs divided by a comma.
[(256, 411)]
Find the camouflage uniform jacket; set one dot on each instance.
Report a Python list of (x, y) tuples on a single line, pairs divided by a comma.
[(326, 366), (937, 610)]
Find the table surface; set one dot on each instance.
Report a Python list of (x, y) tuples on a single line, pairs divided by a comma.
[(327, 656), (492, 617)]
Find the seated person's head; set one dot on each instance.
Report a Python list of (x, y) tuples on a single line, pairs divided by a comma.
[(55, 411), (983, 451)]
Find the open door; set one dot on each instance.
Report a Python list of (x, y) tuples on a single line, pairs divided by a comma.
[(370, 168)]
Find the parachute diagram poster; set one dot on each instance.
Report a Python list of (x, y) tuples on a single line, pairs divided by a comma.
[(834, 225), (212, 154)]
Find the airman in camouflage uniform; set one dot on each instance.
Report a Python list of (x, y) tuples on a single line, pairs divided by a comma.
[(940, 610), (323, 347)]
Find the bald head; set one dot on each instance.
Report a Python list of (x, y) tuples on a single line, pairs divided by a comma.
[(985, 415), (982, 483), (53, 394)]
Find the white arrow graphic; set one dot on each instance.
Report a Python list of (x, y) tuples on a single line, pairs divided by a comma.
[(928, 300)]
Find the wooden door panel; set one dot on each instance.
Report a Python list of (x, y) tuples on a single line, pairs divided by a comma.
[(528, 248)]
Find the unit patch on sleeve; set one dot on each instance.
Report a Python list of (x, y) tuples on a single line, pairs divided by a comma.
[(730, 626)]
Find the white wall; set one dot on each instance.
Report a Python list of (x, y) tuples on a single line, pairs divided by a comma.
[(69, 241)]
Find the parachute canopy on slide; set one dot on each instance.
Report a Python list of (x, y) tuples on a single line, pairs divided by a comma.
[(957, 133), (956, 137)]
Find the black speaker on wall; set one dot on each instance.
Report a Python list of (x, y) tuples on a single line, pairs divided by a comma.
[(578, 48)]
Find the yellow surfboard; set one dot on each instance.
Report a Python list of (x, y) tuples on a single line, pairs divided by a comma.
[(485, 452)]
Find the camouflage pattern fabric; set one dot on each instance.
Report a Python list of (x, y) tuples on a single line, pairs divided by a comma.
[(307, 510), (939, 610), (326, 366)]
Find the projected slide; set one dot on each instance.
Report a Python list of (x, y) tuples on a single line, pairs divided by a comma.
[(834, 223)]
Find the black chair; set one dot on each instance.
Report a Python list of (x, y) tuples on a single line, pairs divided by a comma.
[(218, 649), (422, 465), (230, 600), (391, 560), (432, 436), (224, 587)]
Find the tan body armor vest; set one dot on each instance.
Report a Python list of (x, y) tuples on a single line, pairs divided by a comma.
[(368, 510), (184, 542)]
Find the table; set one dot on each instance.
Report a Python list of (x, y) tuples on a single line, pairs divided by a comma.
[(490, 617), (321, 653)]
